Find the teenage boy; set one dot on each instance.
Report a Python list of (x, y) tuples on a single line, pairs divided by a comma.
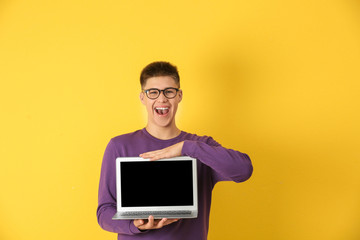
[(161, 138)]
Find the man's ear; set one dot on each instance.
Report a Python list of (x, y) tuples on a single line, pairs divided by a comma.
[(142, 96), (180, 95)]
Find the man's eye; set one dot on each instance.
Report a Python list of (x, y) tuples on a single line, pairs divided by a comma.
[(153, 92), (170, 91)]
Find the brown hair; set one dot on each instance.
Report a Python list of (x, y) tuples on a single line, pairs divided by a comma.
[(157, 69)]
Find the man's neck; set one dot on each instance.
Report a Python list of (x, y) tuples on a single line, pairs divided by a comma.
[(163, 133)]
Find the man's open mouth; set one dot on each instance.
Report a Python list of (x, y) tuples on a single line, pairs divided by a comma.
[(161, 110)]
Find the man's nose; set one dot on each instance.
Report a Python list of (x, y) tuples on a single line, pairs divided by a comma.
[(162, 97)]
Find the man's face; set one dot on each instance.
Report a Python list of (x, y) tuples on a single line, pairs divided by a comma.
[(161, 111)]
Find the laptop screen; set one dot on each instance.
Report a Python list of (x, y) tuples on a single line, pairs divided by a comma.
[(156, 183)]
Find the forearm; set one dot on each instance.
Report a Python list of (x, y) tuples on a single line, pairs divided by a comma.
[(107, 196), (104, 216), (230, 164)]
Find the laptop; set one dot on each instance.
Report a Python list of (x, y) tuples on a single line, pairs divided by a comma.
[(165, 188)]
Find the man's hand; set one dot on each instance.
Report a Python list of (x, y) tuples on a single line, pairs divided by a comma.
[(169, 152), (151, 223)]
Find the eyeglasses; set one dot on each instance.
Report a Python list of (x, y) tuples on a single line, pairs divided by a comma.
[(154, 93)]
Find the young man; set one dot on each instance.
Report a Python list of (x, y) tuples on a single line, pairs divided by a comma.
[(161, 138)]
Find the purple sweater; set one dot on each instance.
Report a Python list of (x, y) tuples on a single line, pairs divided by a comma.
[(215, 163)]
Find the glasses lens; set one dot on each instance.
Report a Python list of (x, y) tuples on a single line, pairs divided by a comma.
[(153, 93), (170, 92)]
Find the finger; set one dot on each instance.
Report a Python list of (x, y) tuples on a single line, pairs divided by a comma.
[(172, 151), (161, 223), (156, 157), (161, 153), (150, 223), (149, 154), (170, 221), (153, 156), (138, 222), (175, 220), (169, 152)]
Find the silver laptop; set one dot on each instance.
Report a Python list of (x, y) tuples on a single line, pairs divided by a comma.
[(165, 188)]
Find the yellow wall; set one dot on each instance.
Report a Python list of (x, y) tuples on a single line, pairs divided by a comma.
[(278, 80)]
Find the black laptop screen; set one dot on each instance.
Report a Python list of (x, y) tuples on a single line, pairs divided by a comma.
[(156, 183)]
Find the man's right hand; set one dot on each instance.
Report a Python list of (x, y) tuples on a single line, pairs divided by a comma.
[(151, 223)]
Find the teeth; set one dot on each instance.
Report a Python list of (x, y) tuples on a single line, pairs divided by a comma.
[(162, 110)]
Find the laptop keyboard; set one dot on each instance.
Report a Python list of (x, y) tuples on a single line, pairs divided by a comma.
[(156, 213)]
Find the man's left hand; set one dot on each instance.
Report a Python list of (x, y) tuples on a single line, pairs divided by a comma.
[(169, 152)]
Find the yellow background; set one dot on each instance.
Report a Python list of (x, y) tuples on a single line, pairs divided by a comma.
[(276, 79)]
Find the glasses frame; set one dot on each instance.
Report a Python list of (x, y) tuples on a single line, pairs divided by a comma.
[(159, 92)]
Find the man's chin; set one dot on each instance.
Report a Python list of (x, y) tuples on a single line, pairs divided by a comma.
[(163, 123)]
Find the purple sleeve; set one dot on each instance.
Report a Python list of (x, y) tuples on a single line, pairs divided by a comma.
[(107, 197), (228, 164)]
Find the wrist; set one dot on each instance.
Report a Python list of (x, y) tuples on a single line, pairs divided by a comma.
[(134, 229)]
